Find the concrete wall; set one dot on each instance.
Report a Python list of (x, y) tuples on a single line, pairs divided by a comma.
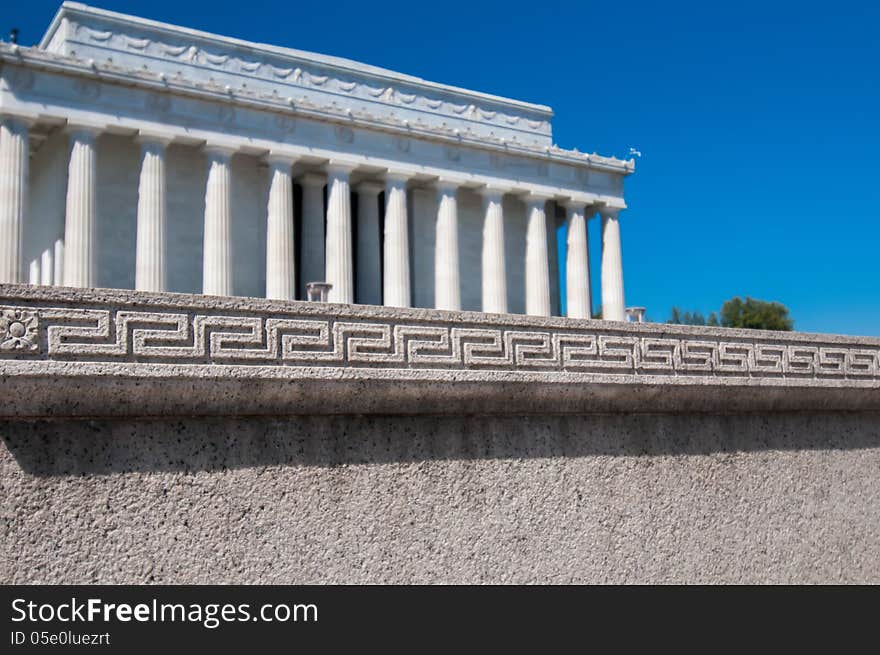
[(159, 437), (603, 498)]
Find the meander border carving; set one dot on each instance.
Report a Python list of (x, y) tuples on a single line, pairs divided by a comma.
[(199, 336)]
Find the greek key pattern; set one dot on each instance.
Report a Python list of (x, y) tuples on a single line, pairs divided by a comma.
[(73, 334)]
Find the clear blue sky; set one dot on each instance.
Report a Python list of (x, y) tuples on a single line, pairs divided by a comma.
[(759, 123)]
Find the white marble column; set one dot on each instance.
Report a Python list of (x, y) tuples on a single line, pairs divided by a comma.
[(493, 265), (577, 262), (537, 262), (14, 156), (339, 265), (312, 230), (396, 282), (46, 267), (217, 252), (447, 286), (58, 273), (151, 248), (34, 272), (80, 211), (369, 245), (280, 245), (613, 307)]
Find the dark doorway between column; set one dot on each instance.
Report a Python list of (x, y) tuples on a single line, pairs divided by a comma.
[(297, 237), (353, 203), (556, 251), (382, 246)]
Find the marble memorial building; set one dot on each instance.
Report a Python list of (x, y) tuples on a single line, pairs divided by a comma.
[(140, 155)]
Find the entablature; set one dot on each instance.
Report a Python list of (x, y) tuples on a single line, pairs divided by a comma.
[(85, 73), (134, 43), (56, 90)]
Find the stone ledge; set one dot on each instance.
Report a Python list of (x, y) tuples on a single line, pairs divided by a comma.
[(102, 352)]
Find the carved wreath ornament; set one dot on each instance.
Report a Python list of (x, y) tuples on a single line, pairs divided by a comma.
[(18, 330)]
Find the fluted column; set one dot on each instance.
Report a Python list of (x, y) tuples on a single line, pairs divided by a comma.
[(34, 273), (58, 273), (46, 267), (369, 245), (447, 286), (493, 265), (537, 262), (396, 289), (577, 262), (280, 245), (14, 155), (312, 239), (339, 264), (613, 307), (151, 248), (79, 216), (217, 253)]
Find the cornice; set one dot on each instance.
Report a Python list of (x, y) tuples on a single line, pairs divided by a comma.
[(120, 33), (145, 78), (79, 9)]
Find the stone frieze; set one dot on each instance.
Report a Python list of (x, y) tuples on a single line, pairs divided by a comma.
[(307, 334)]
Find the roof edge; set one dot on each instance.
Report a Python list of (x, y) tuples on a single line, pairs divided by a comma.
[(68, 8)]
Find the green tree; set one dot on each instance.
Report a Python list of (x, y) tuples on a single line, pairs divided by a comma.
[(738, 313), (755, 314), (679, 317)]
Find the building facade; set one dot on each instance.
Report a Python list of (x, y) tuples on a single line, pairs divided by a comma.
[(141, 155)]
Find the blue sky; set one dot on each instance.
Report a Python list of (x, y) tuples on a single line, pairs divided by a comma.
[(759, 123)]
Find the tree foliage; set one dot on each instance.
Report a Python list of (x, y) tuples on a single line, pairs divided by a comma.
[(679, 317), (755, 314), (738, 313)]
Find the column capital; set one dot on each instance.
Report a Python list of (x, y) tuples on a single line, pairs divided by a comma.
[(571, 206), (370, 187), (397, 178), (219, 151), (339, 169), (82, 131), (447, 185), (492, 193), (281, 160), (606, 211), (312, 179), (17, 121), (536, 198), (580, 201), (153, 138)]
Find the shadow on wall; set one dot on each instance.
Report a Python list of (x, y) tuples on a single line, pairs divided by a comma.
[(81, 447)]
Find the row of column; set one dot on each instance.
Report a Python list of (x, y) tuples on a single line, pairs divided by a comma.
[(338, 265)]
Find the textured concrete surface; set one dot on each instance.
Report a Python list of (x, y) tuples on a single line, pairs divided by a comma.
[(601, 498), (104, 352)]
